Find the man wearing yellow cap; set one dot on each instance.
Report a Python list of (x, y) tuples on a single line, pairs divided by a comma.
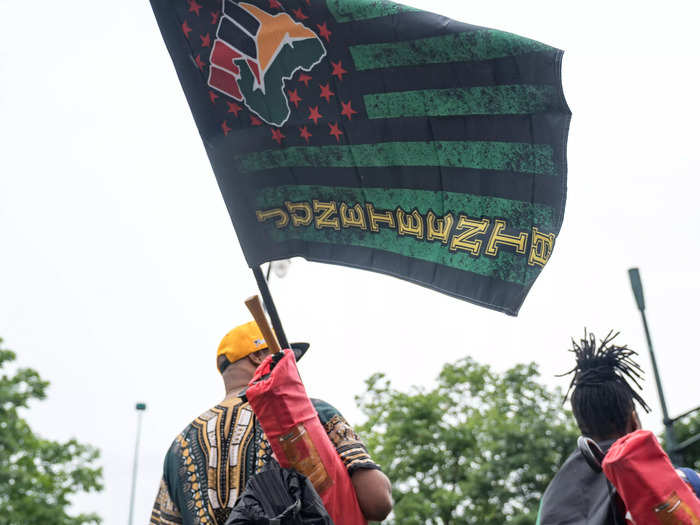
[(210, 461)]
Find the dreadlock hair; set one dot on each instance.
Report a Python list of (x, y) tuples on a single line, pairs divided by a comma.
[(602, 399)]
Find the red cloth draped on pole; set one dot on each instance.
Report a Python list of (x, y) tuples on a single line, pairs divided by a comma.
[(298, 439), (648, 484)]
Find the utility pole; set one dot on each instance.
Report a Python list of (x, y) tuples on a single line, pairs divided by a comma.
[(140, 408), (671, 442)]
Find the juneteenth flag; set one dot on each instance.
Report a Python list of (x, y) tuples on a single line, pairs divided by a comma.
[(374, 135)]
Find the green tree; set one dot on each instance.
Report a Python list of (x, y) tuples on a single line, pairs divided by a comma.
[(685, 428), (38, 476), (478, 448)]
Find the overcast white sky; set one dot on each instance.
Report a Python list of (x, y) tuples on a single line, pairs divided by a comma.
[(120, 270)]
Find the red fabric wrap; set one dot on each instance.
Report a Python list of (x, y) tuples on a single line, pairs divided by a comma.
[(298, 439), (647, 482)]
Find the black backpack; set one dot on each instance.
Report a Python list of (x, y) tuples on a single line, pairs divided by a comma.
[(279, 496), (580, 494)]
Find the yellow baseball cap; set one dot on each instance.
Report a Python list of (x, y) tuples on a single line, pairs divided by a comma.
[(246, 339), (241, 341)]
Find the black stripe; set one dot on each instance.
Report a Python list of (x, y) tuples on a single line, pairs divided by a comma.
[(530, 129), (464, 285), (237, 38), (408, 25), (536, 189), (243, 17), (531, 68)]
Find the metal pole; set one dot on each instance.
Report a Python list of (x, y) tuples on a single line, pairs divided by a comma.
[(140, 408), (660, 388), (686, 414), (270, 306), (671, 442)]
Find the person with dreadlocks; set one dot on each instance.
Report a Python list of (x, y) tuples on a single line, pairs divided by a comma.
[(603, 403)]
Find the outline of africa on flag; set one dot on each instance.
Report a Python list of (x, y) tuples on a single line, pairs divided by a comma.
[(255, 52)]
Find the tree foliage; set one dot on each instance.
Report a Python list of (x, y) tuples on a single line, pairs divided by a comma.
[(686, 428), (38, 476), (478, 448)]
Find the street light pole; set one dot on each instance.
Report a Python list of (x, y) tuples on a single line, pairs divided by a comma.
[(671, 442), (140, 408)]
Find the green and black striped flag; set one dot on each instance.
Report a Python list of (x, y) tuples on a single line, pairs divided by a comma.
[(373, 135)]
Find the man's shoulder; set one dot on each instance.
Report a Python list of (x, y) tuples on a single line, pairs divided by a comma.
[(204, 447), (208, 419), (221, 409), (193, 425), (326, 411)]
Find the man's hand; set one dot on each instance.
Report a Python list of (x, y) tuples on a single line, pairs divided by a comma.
[(373, 491)]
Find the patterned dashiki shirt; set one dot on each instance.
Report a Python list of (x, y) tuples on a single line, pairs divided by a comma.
[(210, 461)]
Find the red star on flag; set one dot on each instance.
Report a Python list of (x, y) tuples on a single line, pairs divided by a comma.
[(234, 108), (294, 97), (206, 40), (305, 134), (255, 121), (335, 131), (325, 33), (326, 92), (299, 14), (200, 64), (213, 96), (194, 7), (347, 109), (314, 114), (303, 77), (338, 70), (277, 136), (186, 29), (274, 4), (225, 128), (215, 17)]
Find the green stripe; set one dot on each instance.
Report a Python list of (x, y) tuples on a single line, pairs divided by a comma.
[(482, 44), (351, 10), (496, 100), (506, 266), (519, 215), (507, 156)]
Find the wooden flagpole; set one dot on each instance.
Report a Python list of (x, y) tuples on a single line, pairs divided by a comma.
[(270, 306)]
